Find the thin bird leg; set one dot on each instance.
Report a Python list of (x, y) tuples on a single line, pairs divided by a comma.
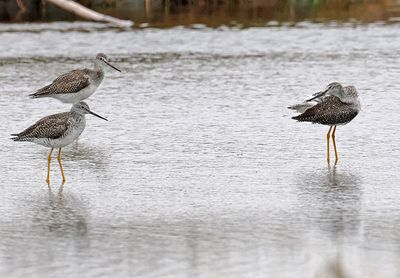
[(48, 166), (334, 144), (61, 168), (327, 140)]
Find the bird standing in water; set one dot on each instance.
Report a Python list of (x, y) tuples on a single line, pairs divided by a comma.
[(57, 131), (336, 105), (76, 85)]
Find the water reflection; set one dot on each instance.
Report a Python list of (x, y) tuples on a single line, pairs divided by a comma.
[(332, 199), (170, 198), (45, 231), (333, 268), (61, 214)]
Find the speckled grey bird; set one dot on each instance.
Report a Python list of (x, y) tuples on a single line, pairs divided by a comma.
[(57, 131), (76, 85), (336, 105)]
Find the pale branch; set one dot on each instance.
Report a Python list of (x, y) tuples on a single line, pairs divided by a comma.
[(88, 14)]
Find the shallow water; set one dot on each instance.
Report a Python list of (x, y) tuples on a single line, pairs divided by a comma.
[(200, 172)]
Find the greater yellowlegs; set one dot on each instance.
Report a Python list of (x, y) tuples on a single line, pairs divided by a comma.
[(336, 105), (76, 85), (57, 131)]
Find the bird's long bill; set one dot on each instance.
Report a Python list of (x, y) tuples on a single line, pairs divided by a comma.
[(112, 66), (317, 95), (94, 114)]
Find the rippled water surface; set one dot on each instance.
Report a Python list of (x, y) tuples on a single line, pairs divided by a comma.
[(200, 172)]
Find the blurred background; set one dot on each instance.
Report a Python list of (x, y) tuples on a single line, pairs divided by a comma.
[(200, 170), (164, 13)]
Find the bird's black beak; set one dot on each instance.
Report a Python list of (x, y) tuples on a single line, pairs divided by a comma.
[(112, 66), (97, 115), (317, 95)]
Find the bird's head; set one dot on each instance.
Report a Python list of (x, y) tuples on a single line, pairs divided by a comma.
[(102, 60), (334, 89), (82, 108)]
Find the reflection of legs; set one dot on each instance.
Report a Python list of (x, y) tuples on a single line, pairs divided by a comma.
[(59, 162), (48, 166), (327, 140), (334, 144)]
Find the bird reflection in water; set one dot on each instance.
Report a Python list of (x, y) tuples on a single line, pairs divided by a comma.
[(331, 199), (63, 214)]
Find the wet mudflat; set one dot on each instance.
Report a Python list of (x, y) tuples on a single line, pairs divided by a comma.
[(200, 172)]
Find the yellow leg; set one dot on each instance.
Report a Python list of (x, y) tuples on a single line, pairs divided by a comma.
[(334, 144), (48, 166), (327, 140), (61, 168)]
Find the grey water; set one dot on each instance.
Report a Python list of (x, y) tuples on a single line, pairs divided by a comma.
[(200, 172)]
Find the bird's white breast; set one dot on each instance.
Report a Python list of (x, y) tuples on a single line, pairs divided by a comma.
[(74, 130), (80, 95)]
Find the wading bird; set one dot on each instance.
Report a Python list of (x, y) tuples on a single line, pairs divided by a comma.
[(57, 131), (336, 105), (76, 85)]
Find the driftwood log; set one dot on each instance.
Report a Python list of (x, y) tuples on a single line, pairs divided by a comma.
[(88, 14)]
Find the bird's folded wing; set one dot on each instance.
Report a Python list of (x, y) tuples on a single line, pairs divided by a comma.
[(330, 111), (70, 82), (52, 126)]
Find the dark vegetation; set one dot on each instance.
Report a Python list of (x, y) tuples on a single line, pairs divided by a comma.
[(166, 13)]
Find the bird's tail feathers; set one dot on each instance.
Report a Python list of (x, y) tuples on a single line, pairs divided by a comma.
[(40, 93), (35, 95), (302, 107), (16, 137)]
